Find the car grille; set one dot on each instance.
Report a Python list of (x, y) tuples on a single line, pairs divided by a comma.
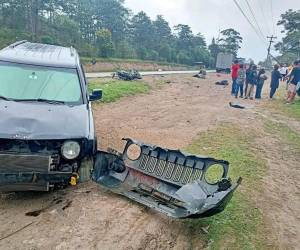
[(12, 163), (169, 171)]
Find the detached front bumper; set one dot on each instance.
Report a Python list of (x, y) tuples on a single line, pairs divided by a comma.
[(168, 181)]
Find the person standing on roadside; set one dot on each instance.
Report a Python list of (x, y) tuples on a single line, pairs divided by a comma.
[(290, 68), (283, 71), (240, 81), (234, 74), (248, 70), (288, 73), (275, 77), (260, 83), (252, 82), (294, 80)]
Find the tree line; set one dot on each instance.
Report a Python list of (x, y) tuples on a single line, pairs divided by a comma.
[(289, 46), (106, 28)]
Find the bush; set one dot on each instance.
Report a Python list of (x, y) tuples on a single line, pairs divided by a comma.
[(183, 58), (8, 36), (152, 55), (124, 50), (47, 40)]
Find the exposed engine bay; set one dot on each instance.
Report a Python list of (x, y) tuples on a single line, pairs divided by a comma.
[(37, 165)]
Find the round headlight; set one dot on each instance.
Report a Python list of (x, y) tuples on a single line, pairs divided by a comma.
[(134, 152), (70, 150), (214, 174)]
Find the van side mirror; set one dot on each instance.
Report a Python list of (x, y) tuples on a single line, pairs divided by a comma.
[(96, 95)]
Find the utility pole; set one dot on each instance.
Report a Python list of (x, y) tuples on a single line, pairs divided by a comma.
[(269, 60)]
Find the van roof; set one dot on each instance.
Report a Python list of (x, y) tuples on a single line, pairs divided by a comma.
[(40, 54)]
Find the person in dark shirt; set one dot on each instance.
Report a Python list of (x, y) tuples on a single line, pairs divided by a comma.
[(293, 81), (252, 82), (260, 83), (275, 77)]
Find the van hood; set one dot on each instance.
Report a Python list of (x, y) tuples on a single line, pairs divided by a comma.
[(41, 121)]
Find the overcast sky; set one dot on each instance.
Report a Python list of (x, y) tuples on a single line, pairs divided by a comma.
[(210, 16)]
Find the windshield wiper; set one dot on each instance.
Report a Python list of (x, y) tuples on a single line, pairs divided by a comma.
[(41, 100), (5, 98)]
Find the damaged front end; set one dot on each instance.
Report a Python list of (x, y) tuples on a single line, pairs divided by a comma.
[(168, 181)]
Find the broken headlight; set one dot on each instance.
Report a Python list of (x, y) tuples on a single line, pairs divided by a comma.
[(70, 150), (214, 174)]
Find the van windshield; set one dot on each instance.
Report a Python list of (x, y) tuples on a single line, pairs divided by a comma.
[(21, 82)]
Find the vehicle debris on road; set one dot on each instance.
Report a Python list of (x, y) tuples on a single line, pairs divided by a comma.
[(127, 75), (169, 181), (240, 106), (202, 74), (236, 105), (223, 83)]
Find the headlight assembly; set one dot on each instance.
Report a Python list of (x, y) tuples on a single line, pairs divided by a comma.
[(214, 174), (70, 150), (134, 152)]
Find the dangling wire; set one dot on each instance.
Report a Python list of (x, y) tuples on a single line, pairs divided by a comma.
[(251, 24), (272, 14), (254, 18)]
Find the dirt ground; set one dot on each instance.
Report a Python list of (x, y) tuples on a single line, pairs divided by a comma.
[(88, 217)]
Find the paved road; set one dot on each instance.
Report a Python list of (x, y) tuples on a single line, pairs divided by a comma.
[(147, 73)]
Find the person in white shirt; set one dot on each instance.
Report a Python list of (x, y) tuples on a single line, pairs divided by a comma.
[(283, 71)]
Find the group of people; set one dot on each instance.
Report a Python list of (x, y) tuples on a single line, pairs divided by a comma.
[(248, 82)]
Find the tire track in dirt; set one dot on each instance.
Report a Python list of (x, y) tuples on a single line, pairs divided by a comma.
[(171, 116)]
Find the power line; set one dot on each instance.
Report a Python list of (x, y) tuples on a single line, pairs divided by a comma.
[(255, 20), (264, 16), (272, 13), (248, 20)]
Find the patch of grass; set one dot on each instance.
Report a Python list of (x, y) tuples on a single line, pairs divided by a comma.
[(240, 226), (279, 106), (288, 135), (113, 90)]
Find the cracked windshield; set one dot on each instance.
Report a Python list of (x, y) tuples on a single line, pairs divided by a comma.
[(25, 82)]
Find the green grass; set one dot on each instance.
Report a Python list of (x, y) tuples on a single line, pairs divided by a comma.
[(240, 226), (279, 106), (284, 132), (113, 90)]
